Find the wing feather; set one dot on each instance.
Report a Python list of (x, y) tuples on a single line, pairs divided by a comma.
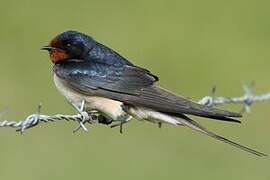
[(134, 86)]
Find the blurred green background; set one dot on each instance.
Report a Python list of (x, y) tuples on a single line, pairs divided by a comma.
[(191, 45)]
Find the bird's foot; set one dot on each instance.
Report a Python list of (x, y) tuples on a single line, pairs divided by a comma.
[(159, 124), (120, 124)]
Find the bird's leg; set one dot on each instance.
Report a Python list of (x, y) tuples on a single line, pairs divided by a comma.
[(120, 124), (124, 118)]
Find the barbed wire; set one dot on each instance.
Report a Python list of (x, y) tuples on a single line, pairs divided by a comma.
[(34, 119), (246, 100), (92, 117)]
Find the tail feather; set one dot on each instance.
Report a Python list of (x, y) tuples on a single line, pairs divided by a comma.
[(184, 120), (219, 118), (181, 119)]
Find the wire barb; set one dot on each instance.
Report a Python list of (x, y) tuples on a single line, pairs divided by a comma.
[(84, 117), (246, 100)]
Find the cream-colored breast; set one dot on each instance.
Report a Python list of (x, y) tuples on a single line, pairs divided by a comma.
[(109, 107)]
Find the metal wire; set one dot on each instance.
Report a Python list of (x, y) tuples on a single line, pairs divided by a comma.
[(34, 119), (246, 100)]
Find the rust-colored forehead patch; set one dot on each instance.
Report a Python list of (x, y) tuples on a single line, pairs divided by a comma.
[(57, 54), (54, 42)]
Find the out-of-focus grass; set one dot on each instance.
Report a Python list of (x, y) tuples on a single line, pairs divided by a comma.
[(190, 45)]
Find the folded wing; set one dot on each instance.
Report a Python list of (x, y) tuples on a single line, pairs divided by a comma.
[(133, 86)]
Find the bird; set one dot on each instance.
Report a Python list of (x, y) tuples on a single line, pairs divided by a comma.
[(86, 70)]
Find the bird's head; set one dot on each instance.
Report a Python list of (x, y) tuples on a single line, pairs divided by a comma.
[(69, 45)]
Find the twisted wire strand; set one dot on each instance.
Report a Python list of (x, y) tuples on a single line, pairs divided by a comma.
[(246, 100), (34, 119)]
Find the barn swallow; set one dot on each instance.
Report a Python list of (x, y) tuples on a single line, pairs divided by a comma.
[(86, 70)]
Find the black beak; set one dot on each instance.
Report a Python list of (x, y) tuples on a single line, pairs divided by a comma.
[(47, 48)]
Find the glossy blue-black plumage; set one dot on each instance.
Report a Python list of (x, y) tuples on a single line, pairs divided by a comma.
[(81, 46), (104, 55), (89, 75)]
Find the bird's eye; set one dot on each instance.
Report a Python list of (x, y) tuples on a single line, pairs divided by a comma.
[(68, 45)]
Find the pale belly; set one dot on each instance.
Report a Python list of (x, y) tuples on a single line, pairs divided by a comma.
[(107, 107)]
